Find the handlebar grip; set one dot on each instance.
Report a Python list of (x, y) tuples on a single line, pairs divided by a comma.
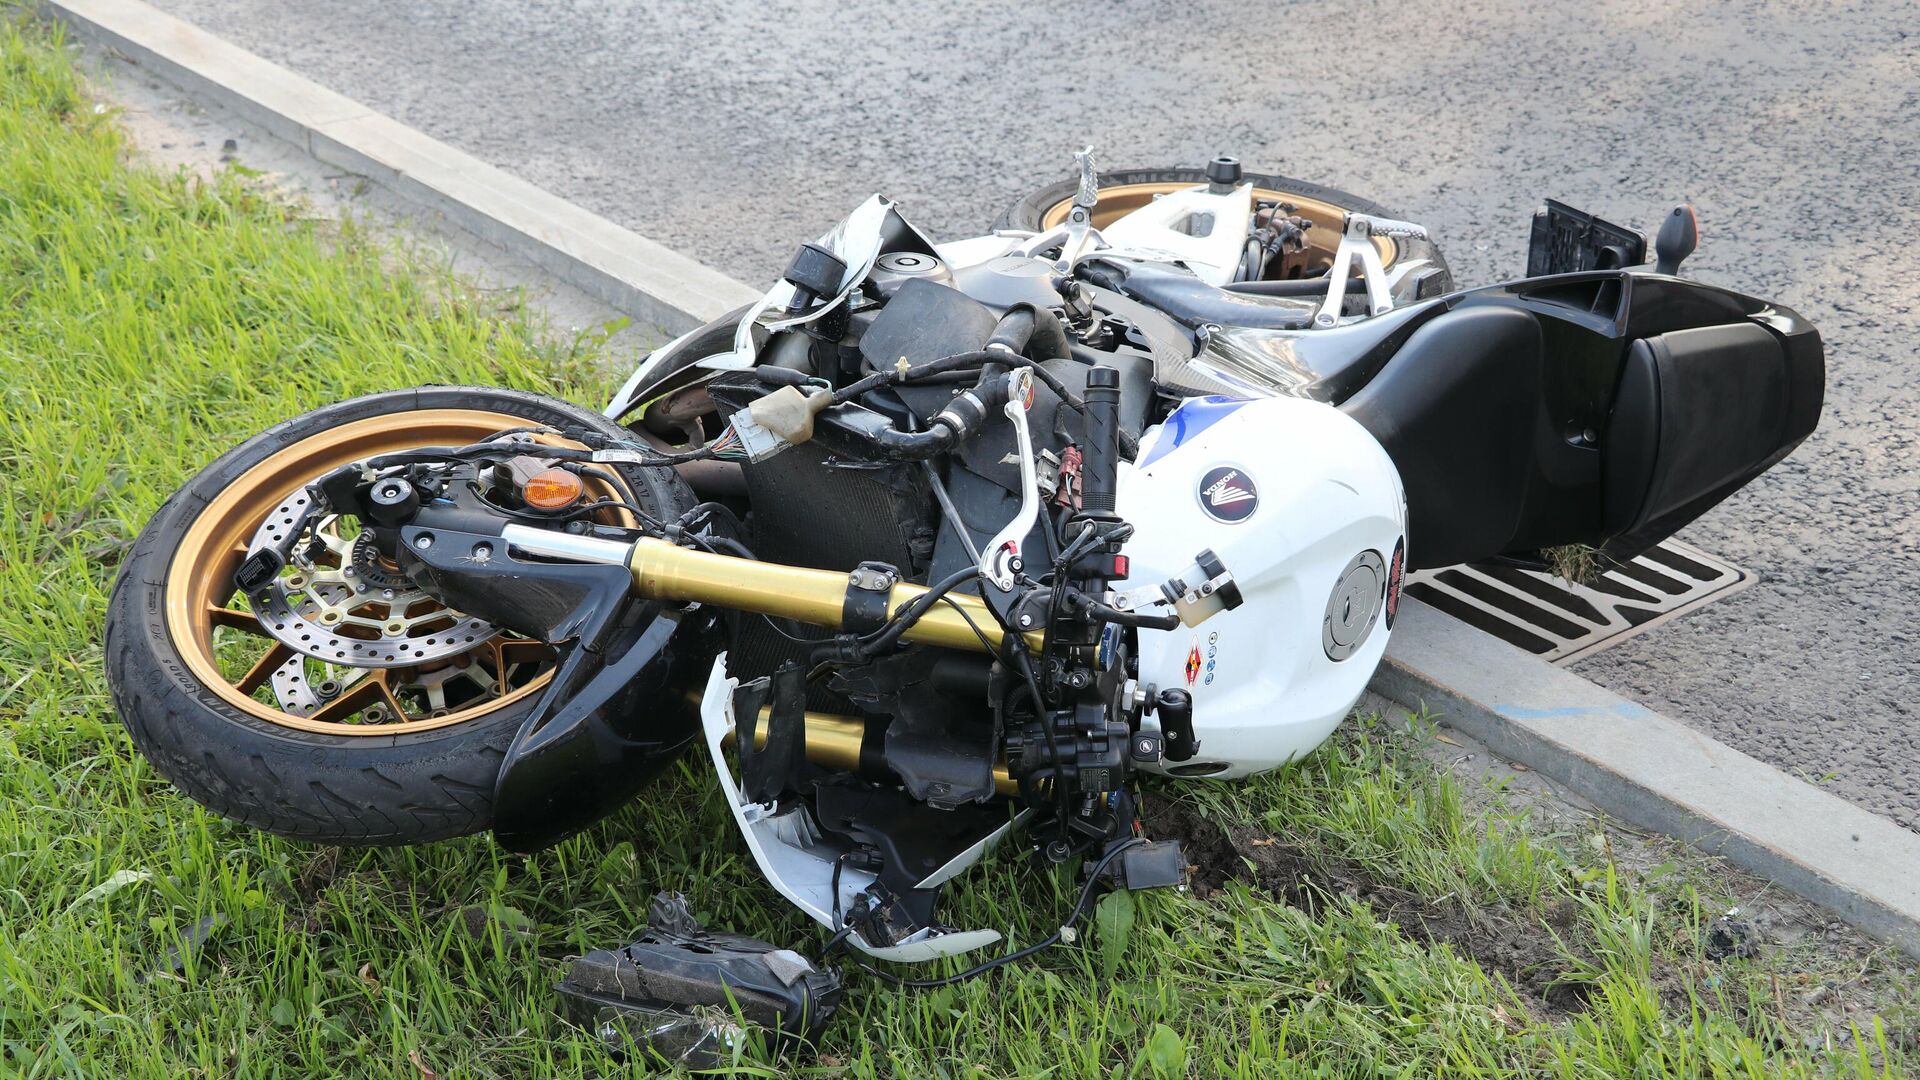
[(1100, 462)]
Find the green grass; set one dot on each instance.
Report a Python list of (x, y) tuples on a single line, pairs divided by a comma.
[(148, 321)]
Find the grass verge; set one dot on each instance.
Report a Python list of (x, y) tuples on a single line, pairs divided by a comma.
[(1364, 914)]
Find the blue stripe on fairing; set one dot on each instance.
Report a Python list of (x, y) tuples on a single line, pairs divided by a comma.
[(1194, 416)]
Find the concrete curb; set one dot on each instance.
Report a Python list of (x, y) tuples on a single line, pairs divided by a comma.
[(617, 266), (1626, 759), (1659, 773)]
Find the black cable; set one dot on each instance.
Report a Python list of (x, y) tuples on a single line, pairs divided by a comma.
[(971, 625), (707, 510), (795, 638), (1137, 619), (730, 546), (1077, 546), (841, 928), (701, 515), (839, 925), (891, 376), (872, 643), (1073, 916), (611, 504), (844, 650), (1050, 533), (977, 358)]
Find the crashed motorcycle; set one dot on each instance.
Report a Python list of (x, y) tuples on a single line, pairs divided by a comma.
[(936, 544)]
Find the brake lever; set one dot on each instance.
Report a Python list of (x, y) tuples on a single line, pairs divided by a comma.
[(1000, 560)]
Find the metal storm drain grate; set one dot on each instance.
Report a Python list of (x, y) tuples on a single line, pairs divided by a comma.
[(1560, 622)]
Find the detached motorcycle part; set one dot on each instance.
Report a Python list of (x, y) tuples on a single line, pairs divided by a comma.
[(682, 991), (325, 753)]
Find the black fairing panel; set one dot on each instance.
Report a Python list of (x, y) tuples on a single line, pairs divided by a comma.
[(618, 706), (1444, 408), (1637, 402), (607, 726)]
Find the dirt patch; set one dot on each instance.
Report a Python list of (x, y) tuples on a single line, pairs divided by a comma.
[(1523, 953)]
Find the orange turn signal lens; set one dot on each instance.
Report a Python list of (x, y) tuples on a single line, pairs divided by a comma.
[(552, 489)]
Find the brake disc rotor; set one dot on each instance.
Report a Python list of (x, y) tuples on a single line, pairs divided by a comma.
[(328, 605), (445, 688)]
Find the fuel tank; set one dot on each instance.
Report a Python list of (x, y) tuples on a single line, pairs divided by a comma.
[(1306, 512)]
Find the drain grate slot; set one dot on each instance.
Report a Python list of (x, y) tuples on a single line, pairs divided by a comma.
[(1560, 622)]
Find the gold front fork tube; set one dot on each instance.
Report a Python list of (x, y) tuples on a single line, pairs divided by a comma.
[(665, 571), (834, 741)]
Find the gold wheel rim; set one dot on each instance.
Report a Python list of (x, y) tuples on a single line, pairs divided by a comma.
[(199, 581), (1123, 199)]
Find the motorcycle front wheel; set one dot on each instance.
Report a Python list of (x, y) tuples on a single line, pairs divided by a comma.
[(318, 748), (1126, 190)]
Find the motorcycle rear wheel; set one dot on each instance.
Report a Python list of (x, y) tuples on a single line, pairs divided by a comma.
[(1125, 190), (381, 756)]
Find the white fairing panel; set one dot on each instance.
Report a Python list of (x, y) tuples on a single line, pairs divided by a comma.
[(1306, 512), (1194, 226), (800, 863)]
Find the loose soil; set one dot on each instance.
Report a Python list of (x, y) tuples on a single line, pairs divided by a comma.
[(1526, 956)]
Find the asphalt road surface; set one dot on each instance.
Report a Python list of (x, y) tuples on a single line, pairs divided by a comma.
[(732, 130)]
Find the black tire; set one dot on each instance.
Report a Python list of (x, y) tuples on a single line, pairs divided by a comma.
[(326, 788), (1028, 212)]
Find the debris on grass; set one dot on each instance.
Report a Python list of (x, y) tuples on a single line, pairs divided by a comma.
[(1730, 937)]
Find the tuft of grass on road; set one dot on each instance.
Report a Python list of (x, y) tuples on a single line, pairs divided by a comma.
[(1358, 916)]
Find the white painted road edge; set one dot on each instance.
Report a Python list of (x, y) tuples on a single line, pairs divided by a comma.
[(1623, 757)]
